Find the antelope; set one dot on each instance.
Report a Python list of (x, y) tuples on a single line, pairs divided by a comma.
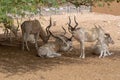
[(82, 35), (13, 29), (61, 43), (103, 51), (33, 27)]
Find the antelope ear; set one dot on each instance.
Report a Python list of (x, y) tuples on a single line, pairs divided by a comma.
[(100, 27), (95, 26)]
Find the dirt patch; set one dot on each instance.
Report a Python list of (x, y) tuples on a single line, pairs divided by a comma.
[(22, 65), (114, 9)]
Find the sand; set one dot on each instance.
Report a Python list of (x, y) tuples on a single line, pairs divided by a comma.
[(16, 64)]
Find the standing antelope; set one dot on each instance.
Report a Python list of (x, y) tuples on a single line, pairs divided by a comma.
[(33, 27), (12, 28), (82, 35)]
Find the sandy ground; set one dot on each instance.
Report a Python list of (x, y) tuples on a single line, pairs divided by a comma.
[(114, 8), (22, 65)]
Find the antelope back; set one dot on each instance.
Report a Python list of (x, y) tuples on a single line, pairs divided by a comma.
[(34, 27)]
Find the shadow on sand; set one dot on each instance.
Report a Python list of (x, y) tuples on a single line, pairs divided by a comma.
[(15, 61)]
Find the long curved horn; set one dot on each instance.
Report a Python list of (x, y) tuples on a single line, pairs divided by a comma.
[(47, 30), (69, 24), (18, 24), (65, 36), (64, 30), (69, 29), (57, 37), (75, 22), (48, 27), (95, 26)]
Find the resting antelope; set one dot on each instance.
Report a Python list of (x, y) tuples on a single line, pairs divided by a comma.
[(33, 27), (103, 51), (61, 43), (82, 35)]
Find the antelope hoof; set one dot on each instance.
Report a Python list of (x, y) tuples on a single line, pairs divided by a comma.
[(83, 57), (111, 53), (106, 55), (100, 56), (80, 56)]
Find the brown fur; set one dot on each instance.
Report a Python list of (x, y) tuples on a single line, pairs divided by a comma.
[(33, 27), (36, 27)]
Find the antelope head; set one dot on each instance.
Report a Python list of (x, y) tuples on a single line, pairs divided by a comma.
[(46, 36), (14, 28), (66, 42), (71, 29), (108, 39), (15, 31)]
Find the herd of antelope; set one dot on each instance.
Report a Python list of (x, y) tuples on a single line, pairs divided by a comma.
[(62, 42)]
